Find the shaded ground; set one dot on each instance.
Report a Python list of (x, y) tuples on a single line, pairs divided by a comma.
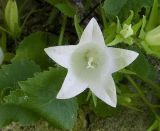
[(126, 121)]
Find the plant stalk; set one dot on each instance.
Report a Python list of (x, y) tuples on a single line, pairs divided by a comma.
[(62, 30), (140, 92)]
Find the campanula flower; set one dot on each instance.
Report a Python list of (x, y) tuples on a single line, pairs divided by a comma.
[(90, 65)]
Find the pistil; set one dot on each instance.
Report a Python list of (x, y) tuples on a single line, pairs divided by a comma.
[(90, 63)]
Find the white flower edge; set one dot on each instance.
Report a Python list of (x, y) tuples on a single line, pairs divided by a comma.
[(103, 87)]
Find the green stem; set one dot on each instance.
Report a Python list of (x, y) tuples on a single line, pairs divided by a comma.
[(103, 16), (28, 15), (3, 41), (77, 27), (149, 82), (62, 30), (52, 17), (22, 6), (2, 5), (142, 96)]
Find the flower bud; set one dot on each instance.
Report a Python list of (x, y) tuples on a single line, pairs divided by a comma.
[(153, 37), (151, 43), (127, 31), (11, 17)]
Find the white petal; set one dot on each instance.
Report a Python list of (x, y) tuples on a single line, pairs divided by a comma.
[(61, 54), (71, 87), (92, 33), (105, 90), (119, 58)]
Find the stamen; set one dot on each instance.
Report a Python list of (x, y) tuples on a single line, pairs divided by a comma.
[(90, 63)]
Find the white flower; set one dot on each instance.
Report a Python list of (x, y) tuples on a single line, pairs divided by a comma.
[(90, 65)]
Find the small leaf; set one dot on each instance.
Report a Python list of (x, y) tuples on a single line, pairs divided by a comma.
[(128, 21), (137, 27)]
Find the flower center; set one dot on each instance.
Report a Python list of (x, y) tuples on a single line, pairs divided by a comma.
[(90, 64), (88, 61)]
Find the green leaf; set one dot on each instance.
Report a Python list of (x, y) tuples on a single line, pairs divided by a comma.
[(41, 94), (10, 112), (128, 21), (10, 75), (17, 71), (110, 33), (136, 66), (153, 21), (32, 48), (142, 67), (121, 8), (64, 6)]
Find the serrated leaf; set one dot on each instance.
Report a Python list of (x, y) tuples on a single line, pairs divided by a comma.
[(32, 48), (121, 8), (17, 71), (10, 75), (15, 97), (10, 112), (42, 90)]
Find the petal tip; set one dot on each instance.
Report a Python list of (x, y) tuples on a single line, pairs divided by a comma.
[(93, 19), (46, 50), (135, 55), (59, 96), (114, 105), (113, 102)]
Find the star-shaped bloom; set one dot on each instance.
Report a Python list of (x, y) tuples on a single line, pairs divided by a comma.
[(90, 65)]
